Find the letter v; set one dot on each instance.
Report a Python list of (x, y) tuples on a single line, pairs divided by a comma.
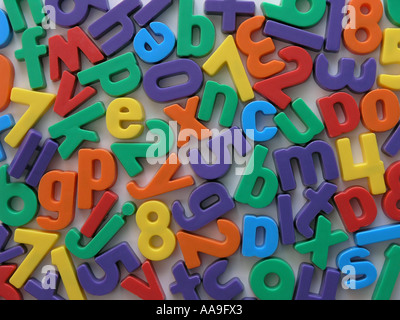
[(66, 101), (151, 290)]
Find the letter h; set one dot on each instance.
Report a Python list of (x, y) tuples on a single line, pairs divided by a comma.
[(25, 154)]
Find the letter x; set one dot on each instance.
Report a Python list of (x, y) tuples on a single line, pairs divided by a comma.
[(319, 246)]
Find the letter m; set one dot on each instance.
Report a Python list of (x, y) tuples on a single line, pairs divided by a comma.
[(68, 52), (305, 159)]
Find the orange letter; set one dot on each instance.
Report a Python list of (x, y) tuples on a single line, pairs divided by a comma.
[(87, 182), (65, 206)]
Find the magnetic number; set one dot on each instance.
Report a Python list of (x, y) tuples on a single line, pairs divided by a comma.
[(153, 219), (368, 22), (191, 244)]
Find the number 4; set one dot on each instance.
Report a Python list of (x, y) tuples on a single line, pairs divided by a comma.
[(390, 54), (372, 168)]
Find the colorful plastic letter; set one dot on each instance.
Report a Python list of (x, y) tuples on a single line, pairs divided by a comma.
[(304, 156), (289, 13), (87, 180), (31, 52), (66, 101), (293, 35), (373, 167), (123, 110), (329, 286), (186, 23), (6, 122), (39, 103), (67, 51), (191, 245), (167, 70), (285, 218), (318, 201), (201, 216), (262, 269), (109, 263), (99, 213), (269, 243), (6, 30), (229, 10), (392, 11), (161, 182), (61, 258), (249, 121), (119, 16), (354, 221), (6, 81), (7, 290), (70, 128), (185, 283), (345, 77), (105, 71), (377, 234), (102, 237), (390, 110), (152, 290), (349, 107), (8, 214), (257, 50), (214, 288), (227, 54), (320, 244), (390, 55), (368, 22), (389, 274), (129, 153), (79, 13), (33, 158), (255, 171), (186, 118), (334, 29), (41, 243), (148, 49), (212, 90), (9, 253), (16, 14), (310, 120), (64, 204), (220, 147), (272, 88), (365, 270), (35, 288)]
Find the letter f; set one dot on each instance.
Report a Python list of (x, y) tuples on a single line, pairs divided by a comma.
[(30, 52)]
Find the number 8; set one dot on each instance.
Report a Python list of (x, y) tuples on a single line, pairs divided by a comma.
[(151, 228), (368, 22)]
